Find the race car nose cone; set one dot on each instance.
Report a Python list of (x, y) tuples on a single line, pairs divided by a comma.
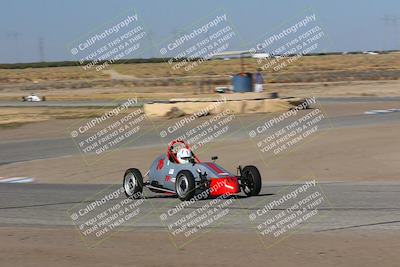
[(225, 185)]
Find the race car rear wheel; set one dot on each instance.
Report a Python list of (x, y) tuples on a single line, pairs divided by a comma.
[(185, 186), (133, 183), (251, 181)]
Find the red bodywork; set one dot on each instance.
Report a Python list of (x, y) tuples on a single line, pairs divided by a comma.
[(223, 185), (226, 185)]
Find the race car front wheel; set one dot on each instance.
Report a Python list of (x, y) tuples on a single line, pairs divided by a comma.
[(133, 183), (251, 181), (185, 186)]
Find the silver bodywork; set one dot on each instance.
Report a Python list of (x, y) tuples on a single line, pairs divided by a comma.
[(163, 172)]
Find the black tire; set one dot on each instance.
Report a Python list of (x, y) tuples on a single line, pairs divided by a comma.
[(133, 177), (251, 184), (44, 98), (185, 185)]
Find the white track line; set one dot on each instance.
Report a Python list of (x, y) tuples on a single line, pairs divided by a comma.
[(22, 181), (17, 180), (381, 111)]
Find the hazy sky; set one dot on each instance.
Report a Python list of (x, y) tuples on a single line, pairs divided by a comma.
[(28, 25)]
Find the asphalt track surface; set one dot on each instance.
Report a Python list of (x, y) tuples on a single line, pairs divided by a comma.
[(355, 206), (32, 149)]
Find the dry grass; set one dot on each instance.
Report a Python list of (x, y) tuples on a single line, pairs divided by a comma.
[(74, 83), (305, 64), (48, 74), (216, 67)]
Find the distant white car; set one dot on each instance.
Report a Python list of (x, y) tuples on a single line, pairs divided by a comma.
[(33, 98), (370, 53)]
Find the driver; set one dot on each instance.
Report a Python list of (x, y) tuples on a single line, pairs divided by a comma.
[(184, 155)]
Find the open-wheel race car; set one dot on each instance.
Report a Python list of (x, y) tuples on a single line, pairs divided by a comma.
[(181, 173), (33, 98)]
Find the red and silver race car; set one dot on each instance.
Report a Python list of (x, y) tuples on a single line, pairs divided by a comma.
[(180, 172)]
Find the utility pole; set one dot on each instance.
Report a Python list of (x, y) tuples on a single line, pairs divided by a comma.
[(41, 49)]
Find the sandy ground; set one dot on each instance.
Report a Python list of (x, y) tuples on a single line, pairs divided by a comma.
[(343, 89), (57, 128), (11, 117), (342, 154), (372, 152), (63, 247), (16, 116)]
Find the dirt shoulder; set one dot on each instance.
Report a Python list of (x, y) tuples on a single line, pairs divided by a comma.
[(63, 247)]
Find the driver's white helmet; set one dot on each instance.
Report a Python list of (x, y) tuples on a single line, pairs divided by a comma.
[(184, 155)]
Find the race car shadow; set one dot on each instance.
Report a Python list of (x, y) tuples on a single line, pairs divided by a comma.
[(171, 196), (160, 196), (259, 195)]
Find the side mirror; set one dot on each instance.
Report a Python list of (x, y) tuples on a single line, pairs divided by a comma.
[(214, 158)]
